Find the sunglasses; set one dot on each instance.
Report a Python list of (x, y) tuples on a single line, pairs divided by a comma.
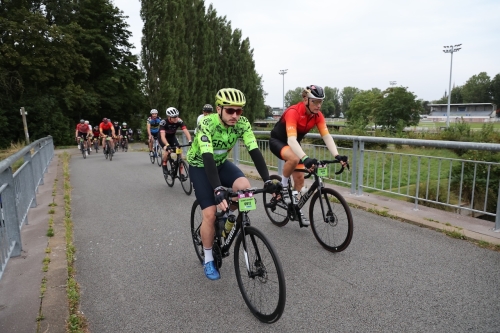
[(316, 101), (231, 111)]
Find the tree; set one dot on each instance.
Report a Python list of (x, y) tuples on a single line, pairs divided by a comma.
[(331, 105), (347, 95), (292, 97), (477, 89), (363, 109), (495, 92), (398, 108)]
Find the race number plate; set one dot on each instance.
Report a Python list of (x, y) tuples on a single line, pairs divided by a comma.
[(322, 172), (178, 150), (246, 202)]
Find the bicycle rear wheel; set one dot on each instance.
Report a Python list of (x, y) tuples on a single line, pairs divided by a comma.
[(335, 233), (196, 218), (263, 287), (84, 150), (276, 209), (184, 177)]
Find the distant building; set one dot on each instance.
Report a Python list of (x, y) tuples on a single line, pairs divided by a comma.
[(469, 112), (277, 112)]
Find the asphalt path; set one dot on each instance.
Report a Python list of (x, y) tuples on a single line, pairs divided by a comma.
[(138, 270)]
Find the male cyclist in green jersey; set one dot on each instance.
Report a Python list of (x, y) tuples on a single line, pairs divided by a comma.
[(210, 171)]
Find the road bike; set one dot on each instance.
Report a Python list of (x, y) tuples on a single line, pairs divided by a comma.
[(124, 143), (178, 168), (96, 144), (257, 266), (329, 214), (157, 153), (82, 144), (108, 152)]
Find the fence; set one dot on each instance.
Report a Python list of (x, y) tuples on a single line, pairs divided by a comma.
[(18, 194), (465, 186)]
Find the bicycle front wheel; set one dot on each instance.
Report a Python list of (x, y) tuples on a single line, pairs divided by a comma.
[(169, 173), (262, 285), (196, 219), (276, 209), (159, 151), (333, 230), (184, 177)]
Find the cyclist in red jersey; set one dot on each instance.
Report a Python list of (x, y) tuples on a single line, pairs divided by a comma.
[(107, 129), (82, 130), (287, 133)]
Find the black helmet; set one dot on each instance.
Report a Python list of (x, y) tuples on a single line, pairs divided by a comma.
[(314, 91), (208, 108)]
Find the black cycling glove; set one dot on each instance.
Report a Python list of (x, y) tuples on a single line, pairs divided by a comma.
[(220, 193), (309, 162), (341, 158), (272, 187)]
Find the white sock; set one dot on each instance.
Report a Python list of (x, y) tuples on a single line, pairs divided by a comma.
[(284, 181), (208, 255)]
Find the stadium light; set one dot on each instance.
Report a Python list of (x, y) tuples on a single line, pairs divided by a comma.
[(450, 49), (283, 72)]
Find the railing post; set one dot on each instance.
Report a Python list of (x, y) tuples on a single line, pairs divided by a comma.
[(355, 146), (9, 207), (29, 164), (361, 166), (497, 217), (417, 187)]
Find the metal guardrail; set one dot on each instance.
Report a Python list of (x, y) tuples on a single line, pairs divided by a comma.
[(465, 186), (18, 194)]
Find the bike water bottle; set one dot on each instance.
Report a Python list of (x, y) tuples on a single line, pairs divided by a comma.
[(303, 190), (295, 196), (229, 225)]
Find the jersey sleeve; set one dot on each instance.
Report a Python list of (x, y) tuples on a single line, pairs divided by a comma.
[(204, 137), (181, 124), (321, 125), (247, 134), (290, 120)]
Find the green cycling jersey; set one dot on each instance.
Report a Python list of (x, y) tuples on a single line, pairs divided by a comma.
[(213, 137)]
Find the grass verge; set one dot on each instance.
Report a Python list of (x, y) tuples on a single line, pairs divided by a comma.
[(76, 321)]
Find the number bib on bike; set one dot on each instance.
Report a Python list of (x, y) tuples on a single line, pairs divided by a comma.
[(322, 172), (246, 202), (178, 151)]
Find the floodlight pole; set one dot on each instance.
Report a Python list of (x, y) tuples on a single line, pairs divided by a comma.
[(450, 49), (26, 134), (283, 72)]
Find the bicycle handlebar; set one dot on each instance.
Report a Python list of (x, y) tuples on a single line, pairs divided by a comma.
[(232, 194), (323, 162)]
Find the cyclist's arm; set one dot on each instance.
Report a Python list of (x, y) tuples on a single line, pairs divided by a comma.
[(163, 138), (211, 170), (291, 132), (260, 163), (148, 126), (327, 138), (186, 133), (76, 132), (112, 131)]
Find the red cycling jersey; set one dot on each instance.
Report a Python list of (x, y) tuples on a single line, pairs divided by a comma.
[(106, 127), (82, 128), (296, 122)]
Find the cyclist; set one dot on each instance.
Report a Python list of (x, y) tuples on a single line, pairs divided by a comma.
[(96, 133), (116, 125), (153, 127), (168, 128), (106, 128), (124, 137), (210, 170), (287, 133), (82, 130), (207, 109), (89, 137)]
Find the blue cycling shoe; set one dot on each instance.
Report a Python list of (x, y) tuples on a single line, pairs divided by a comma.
[(210, 271)]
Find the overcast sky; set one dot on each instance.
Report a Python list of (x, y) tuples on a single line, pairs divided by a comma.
[(360, 43)]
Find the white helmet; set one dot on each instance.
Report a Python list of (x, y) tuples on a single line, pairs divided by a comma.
[(154, 111), (172, 112), (86, 122), (124, 124)]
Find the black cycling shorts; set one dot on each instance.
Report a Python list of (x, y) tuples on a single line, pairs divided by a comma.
[(228, 173), (83, 135)]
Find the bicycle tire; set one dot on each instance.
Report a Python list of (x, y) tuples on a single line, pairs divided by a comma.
[(159, 151), (186, 184), (336, 234), (196, 219), (170, 175), (110, 153), (152, 156), (276, 210), (82, 148), (268, 303)]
